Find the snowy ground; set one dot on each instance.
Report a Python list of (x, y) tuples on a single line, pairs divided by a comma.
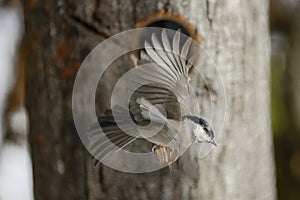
[(15, 164)]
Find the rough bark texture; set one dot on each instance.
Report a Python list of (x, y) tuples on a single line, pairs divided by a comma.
[(61, 33)]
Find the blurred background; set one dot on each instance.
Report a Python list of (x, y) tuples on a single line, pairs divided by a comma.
[(15, 164), (285, 77)]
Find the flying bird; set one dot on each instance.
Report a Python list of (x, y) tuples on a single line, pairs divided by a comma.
[(167, 102)]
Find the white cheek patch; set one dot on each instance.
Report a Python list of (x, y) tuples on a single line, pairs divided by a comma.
[(200, 134)]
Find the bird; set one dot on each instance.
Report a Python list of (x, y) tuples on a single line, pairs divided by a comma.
[(164, 98)]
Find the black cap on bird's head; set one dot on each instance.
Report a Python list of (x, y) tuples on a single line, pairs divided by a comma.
[(205, 126)]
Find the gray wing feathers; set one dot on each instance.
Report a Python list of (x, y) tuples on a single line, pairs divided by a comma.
[(111, 137), (156, 95), (171, 70), (151, 112)]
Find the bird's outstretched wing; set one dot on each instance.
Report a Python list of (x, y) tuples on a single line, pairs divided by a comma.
[(111, 137), (168, 76), (167, 86)]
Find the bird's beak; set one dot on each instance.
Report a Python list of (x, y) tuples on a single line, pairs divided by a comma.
[(213, 142)]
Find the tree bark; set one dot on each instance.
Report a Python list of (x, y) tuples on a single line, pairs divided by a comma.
[(59, 36)]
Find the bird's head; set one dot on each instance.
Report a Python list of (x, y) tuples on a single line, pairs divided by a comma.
[(201, 129)]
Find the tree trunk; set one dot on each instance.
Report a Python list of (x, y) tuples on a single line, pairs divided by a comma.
[(59, 36)]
